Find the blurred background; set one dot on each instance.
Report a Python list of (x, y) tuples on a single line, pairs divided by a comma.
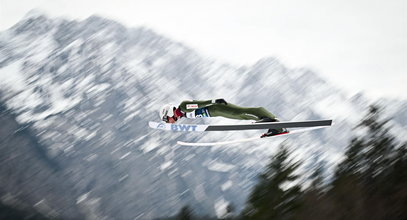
[(77, 92)]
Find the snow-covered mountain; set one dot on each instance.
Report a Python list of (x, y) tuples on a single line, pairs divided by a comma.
[(87, 89)]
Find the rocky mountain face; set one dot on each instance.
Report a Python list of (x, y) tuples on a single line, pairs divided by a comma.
[(78, 96), (29, 179)]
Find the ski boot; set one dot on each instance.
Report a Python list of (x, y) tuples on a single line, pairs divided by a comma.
[(272, 132)]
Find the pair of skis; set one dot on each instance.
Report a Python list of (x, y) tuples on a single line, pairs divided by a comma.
[(306, 125)]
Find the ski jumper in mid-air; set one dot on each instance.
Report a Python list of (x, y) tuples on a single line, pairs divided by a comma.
[(219, 108)]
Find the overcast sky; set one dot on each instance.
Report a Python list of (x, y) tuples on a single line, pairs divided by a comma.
[(360, 45)]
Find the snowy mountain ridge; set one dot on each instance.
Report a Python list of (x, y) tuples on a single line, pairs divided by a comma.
[(88, 88)]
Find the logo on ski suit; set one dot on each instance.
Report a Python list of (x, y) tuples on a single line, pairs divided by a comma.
[(199, 113)]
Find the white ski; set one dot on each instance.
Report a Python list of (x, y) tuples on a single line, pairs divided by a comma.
[(234, 127), (246, 139)]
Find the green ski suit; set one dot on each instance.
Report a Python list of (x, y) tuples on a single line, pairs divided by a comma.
[(209, 108)]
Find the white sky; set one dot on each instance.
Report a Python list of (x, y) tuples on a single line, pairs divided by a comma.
[(360, 45)]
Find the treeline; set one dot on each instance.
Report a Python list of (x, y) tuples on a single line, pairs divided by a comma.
[(370, 183), (11, 213)]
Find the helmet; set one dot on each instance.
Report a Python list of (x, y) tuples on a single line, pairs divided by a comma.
[(167, 111)]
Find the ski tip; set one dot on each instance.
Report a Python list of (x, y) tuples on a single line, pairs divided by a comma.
[(193, 144), (182, 143)]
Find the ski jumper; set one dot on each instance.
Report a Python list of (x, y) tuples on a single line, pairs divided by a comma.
[(207, 108)]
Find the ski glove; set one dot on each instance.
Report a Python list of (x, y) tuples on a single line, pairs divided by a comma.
[(220, 101)]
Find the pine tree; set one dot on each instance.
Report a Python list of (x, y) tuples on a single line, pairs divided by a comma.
[(353, 162), (378, 142), (230, 209), (184, 214), (317, 175), (362, 186), (394, 182), (369, 155), (269, 199)]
